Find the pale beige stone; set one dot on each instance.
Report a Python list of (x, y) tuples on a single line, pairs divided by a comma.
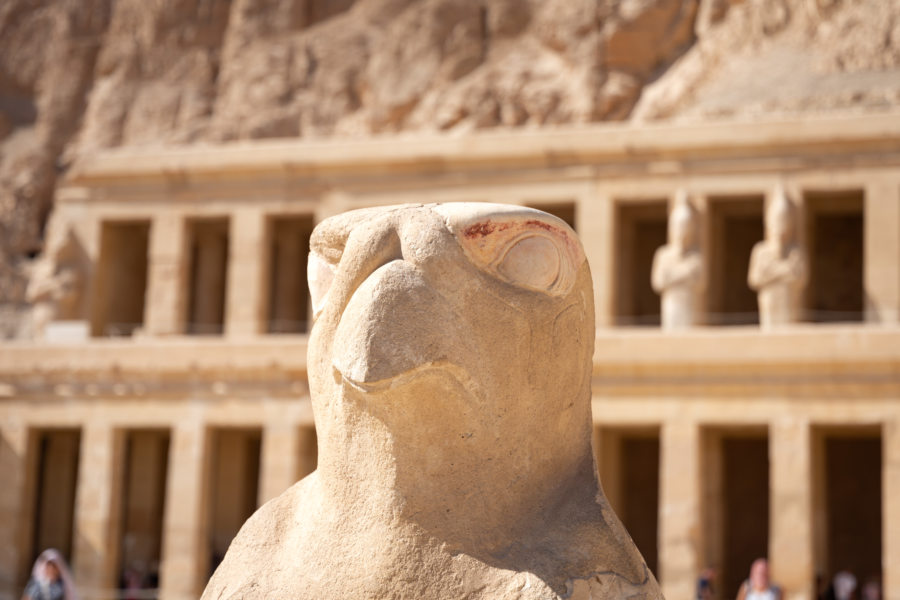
[(778, 266), (245, 306), (97, 508), (185, 554), (167, 276), (791, 541), (678, 274), (450, 374), (882, 247), (891, 511), (14, 514), (679, 556)]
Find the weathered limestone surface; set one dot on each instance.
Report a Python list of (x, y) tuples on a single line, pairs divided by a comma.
[(791, 545), (679, 539), (97, 507), (678, 274), (891, 467), (778, 266), (450, 375), (184, 565), (244, 306), (167, 273), (882, 271), (13, 450)]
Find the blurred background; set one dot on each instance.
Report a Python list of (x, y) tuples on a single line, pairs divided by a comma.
[(163, 163)]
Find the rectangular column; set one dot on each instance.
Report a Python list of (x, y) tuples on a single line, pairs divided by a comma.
[(245, 309), (679, 510), (791, 508), (167, 276), (881, 239), (14, 512), (309, 451), (280, 460), (890, 508), (595, 229), (713, 500), (97, 509), (608, 446), (184, 557)]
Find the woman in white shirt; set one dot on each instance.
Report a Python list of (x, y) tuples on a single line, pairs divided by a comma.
[(758, 586)]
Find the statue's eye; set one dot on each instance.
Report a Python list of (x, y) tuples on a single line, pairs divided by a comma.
[(525, 247), (532, 261)]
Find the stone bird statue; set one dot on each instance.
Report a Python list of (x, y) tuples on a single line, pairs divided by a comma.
[(449, 370)]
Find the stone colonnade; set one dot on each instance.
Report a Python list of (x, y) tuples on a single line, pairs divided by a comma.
[(103, 423), (612, 183)]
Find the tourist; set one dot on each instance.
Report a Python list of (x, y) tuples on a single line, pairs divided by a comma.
[(50, 579), (705, 590), (758, 586), (872, 590), (844, 585)]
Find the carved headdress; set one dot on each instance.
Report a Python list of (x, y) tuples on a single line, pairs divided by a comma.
[(780, 213), (683, 217)]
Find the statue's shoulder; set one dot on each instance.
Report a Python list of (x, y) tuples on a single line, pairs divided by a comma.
[(260, 545)]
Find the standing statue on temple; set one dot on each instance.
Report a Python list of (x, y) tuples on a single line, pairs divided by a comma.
[(678, 274), (56, 287), (778, 267)]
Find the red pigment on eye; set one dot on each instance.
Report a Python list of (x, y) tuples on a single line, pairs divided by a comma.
[(541, 224), (479, 229), (485, 228)]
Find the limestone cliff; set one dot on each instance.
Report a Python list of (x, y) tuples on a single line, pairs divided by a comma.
[(79, 75)]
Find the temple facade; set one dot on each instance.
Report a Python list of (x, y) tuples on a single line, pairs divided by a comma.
[(162, 396)]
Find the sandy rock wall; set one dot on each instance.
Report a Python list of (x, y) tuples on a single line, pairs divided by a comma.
[(782, 57), (78, 75), (81, 75)]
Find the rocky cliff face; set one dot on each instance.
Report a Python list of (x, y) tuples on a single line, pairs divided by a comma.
[(80, 75)]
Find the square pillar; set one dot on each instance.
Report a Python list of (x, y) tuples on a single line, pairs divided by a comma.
[(595, 227), (713, 502), (608, 454), (184, 557), (791, 508), (881, 239), (97, 508), (167, 276), (679, 509), (280, 460), (245, 304), (15, 465), (309, 451), (890, 508)]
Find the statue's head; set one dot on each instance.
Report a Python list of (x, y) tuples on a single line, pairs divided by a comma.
[(780, 219), (460, 330), (683, 222)]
